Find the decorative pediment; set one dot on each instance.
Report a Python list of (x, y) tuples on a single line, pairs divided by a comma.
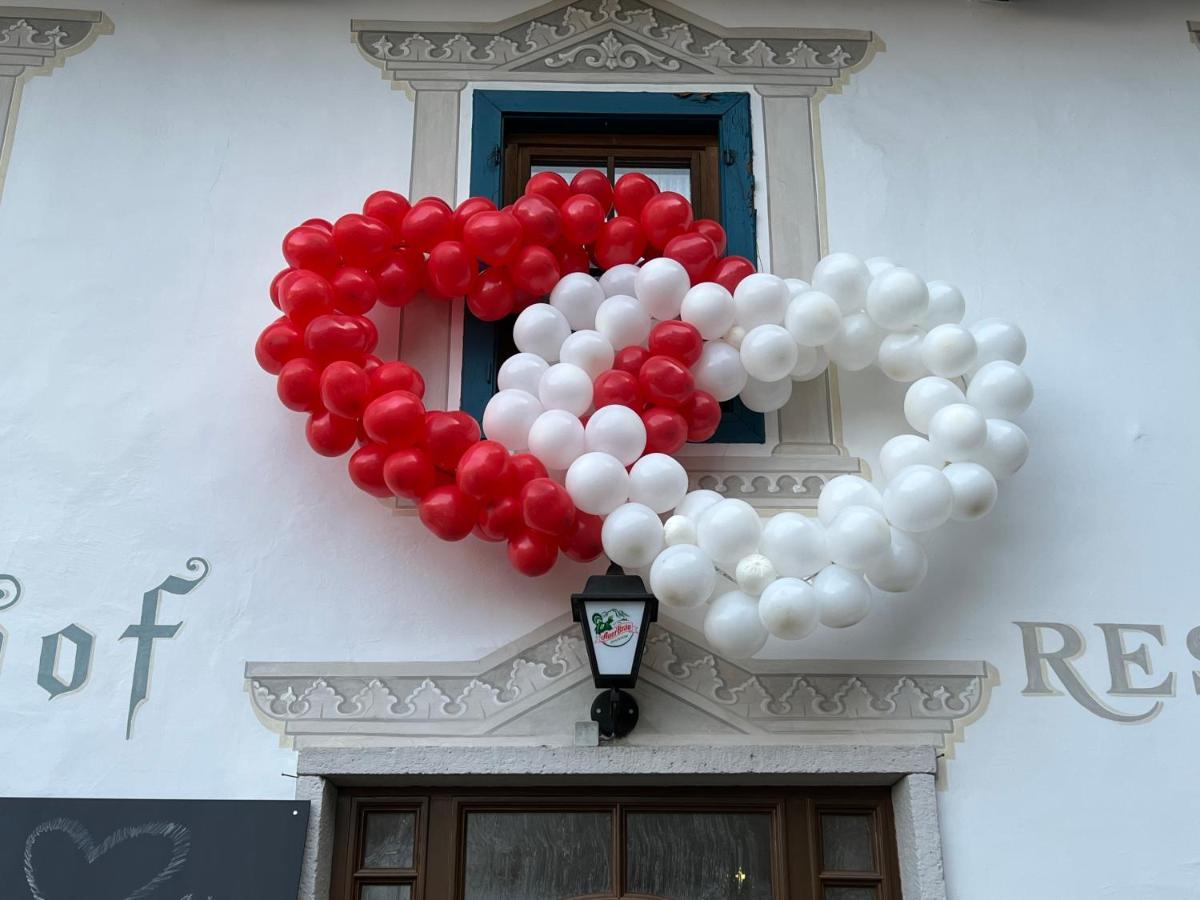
[(33, 38), (610, 41)]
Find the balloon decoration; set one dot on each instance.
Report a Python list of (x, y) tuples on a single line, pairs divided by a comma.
[(575, 454)]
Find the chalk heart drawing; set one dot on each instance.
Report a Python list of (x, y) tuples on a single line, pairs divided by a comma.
[(178, 835)]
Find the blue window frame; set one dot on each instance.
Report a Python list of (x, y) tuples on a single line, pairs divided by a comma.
[(731, 115)]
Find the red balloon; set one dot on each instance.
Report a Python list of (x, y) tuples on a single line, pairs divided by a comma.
[(546, 506), (401, 277), (484, 471), (501, 519), (448, 512), (355, 291), (582, 216), (491, 295), (366, 469), (389, 208), (534, 270), (299, 385), (595, 183), (666, 381), (304, 295), (729, 271), (408, 472), (330, 435), (666, 430), (494, 237), (396, 376), (541, 222), (712, 230), (678, 340), (321, 224), (345, 389), (274, 288), (279, 342), (582, 540), (522, 300), (451, 267), (695, 252), (532, 554), (703, 415), (549, 185), (572, 259), (617, 388), (309, 247), (525, 468), (664, 216), (631, 359), (427, 224), (331, 337), (396, 419), (631, 192), (620, 240), (448, 435), (362, 241), (468, 208)]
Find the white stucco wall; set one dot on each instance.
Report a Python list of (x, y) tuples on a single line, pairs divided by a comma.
[(1040, 155)]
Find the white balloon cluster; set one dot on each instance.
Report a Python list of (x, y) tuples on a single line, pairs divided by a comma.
[(791, 572)]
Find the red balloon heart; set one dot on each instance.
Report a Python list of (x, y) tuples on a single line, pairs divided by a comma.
[(389, 208), (280, 342), (304, 295), (448, 435), (730, 271), (401, 277), (451, 268), (355, 291), (299, 384), (532, 554), (549, 185), (396, 419), (494, 237), (366, 469), (666, 430), (345, 389), (448, 512), (427, 224), (582, 218), (546, 506), (664, 216), (711, 230), (491, 295), (534, 270), (582, 540), (484, 471), (396, 376), (617, 388), (695, 252), (631, 193), (665, 381), (678, 340), (620, 241), (468, 208), (541, 222), (409, 472), (631, 359), (594, 183), (703, 414), (362, 241), (331, 435), (309, 247)]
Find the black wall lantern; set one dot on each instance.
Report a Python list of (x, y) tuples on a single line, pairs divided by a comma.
[(615, 611)]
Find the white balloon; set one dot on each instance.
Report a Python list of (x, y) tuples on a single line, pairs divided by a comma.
[(541, 329), (696, 502), (588, 349), (812, 318), (660, 286), (844, 596), (632, 535), (907, 450), (618, 431), (902, 567), (769, 353), (810, 363), (658, 481), (946, 305), (734, 336), (754, 573), (682, 576), (508, 417), (789, 609), (897, 299), (1000, 390), (522, 372), (927, 396), (1005, 449), (564, 386), (597, 483), (729, 530), (843, 277), (679, 530), (732, 626), (948, 350), (577, 296), (956, 431), (918, 499), (856, 344), (556, 438), (623, 321), (974, 490), (795, 544), (900, 356), (877, 265), (796, 286), (857, 537), (998, 339), (709, 307), (719, 371), (619, 280), (766, 396), (844, 491), (760, 299)]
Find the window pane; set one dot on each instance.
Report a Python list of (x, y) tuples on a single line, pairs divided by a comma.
[(850, 893), (846, 843), (668, 178), (386, 892), (389, 841), (700, 856), (537, 855)]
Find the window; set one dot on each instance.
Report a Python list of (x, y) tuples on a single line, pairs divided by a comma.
[(601, 843), (695, 144)]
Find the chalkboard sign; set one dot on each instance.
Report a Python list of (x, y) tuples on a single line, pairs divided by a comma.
[(150, 849)]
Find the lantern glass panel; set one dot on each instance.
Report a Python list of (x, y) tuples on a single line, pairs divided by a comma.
[(614, 627)]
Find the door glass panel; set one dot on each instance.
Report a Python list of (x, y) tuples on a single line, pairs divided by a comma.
[(386, 892), (389, 841), (668, 178), (846, 843), (699, 856), (537, 855), (850, 893)]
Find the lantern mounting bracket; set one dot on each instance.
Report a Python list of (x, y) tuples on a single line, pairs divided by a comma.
[(616, 712)]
